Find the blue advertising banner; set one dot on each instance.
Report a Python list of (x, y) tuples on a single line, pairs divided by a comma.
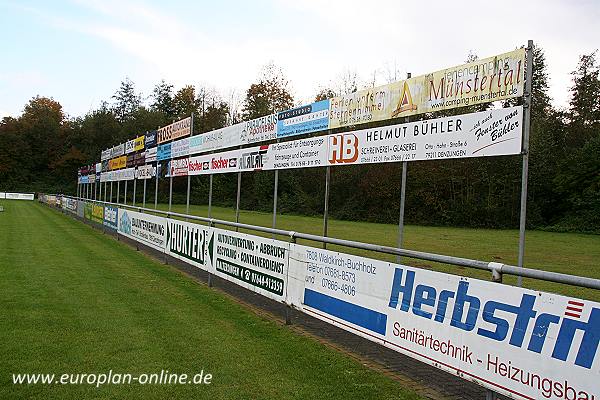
[(150, 140), (302, 120), (111, 217), (164, 152)]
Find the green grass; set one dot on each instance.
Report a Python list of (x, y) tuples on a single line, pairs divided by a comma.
[(569, 253), (76, 301)]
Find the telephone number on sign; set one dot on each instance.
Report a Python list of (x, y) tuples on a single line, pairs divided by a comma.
[(338, 287)]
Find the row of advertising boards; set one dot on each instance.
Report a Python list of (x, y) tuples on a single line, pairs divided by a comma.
[(522, 343), (482, 81), (490, 133)]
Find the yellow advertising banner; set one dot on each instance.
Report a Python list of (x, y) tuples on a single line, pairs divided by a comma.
[(139, 143), (490, 79), (117, 163)]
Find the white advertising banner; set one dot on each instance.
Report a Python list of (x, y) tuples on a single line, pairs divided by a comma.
[(118, 150), (180, 148), (151, 155), (302, 153), (255, 263), (188, 242), (144, 228), (178, 167), (145, 172), (214, 163), (2, 195), (229, 136), (518, 342), (18, 196), (259, 130), (129, 146), (106, 154), (488, 133)]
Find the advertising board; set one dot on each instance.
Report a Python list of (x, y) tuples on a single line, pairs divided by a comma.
[(490, 79), (188, 242), (255, 263), (151, 155), (145, 172), (519, 342), (129, 146), (150, 139), (214, 163), (175, 130), (180, 148), (259, 130), (138, 143), (111, 217), (17, 196), (144, 228), (178, 167), (97, 213), (163, 152), (303, 120)]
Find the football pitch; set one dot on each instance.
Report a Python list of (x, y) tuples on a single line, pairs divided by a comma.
[(75, 301)]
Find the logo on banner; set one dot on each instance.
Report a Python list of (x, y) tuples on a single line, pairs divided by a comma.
[(223, 163), (253, 160), (188, 241), (125, 223), (406, 101), (343, 148), (468, 311)]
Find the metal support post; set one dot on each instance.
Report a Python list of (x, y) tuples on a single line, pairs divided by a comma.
[(326, 210), (125, 195), (156, 188), (402, 198), (275, 187), (525, 172), (118, 191), (210, 190), (170, 191), (144, 195), (402, 201), (189, 178), (237, 202), (134, 190)]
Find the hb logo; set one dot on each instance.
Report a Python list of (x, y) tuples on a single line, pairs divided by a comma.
[(343, 148)]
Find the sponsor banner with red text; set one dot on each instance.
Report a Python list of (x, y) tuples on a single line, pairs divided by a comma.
[(178, 167), (214, 163), (490, 133)]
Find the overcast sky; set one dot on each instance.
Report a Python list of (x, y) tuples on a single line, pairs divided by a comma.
[(79, 51)]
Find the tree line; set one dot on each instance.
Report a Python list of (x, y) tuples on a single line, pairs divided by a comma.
[(41, 149)]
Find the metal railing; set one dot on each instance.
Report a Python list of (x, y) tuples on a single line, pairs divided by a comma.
[(497, 269)]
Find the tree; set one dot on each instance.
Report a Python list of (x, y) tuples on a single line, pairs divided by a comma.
[(163, 100), (127, 101), (185, 102), (584, 110), (270, 95)]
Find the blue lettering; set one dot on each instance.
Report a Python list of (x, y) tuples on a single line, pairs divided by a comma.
[(420, 300), (472, 312), (589, 343), (406, 289)]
